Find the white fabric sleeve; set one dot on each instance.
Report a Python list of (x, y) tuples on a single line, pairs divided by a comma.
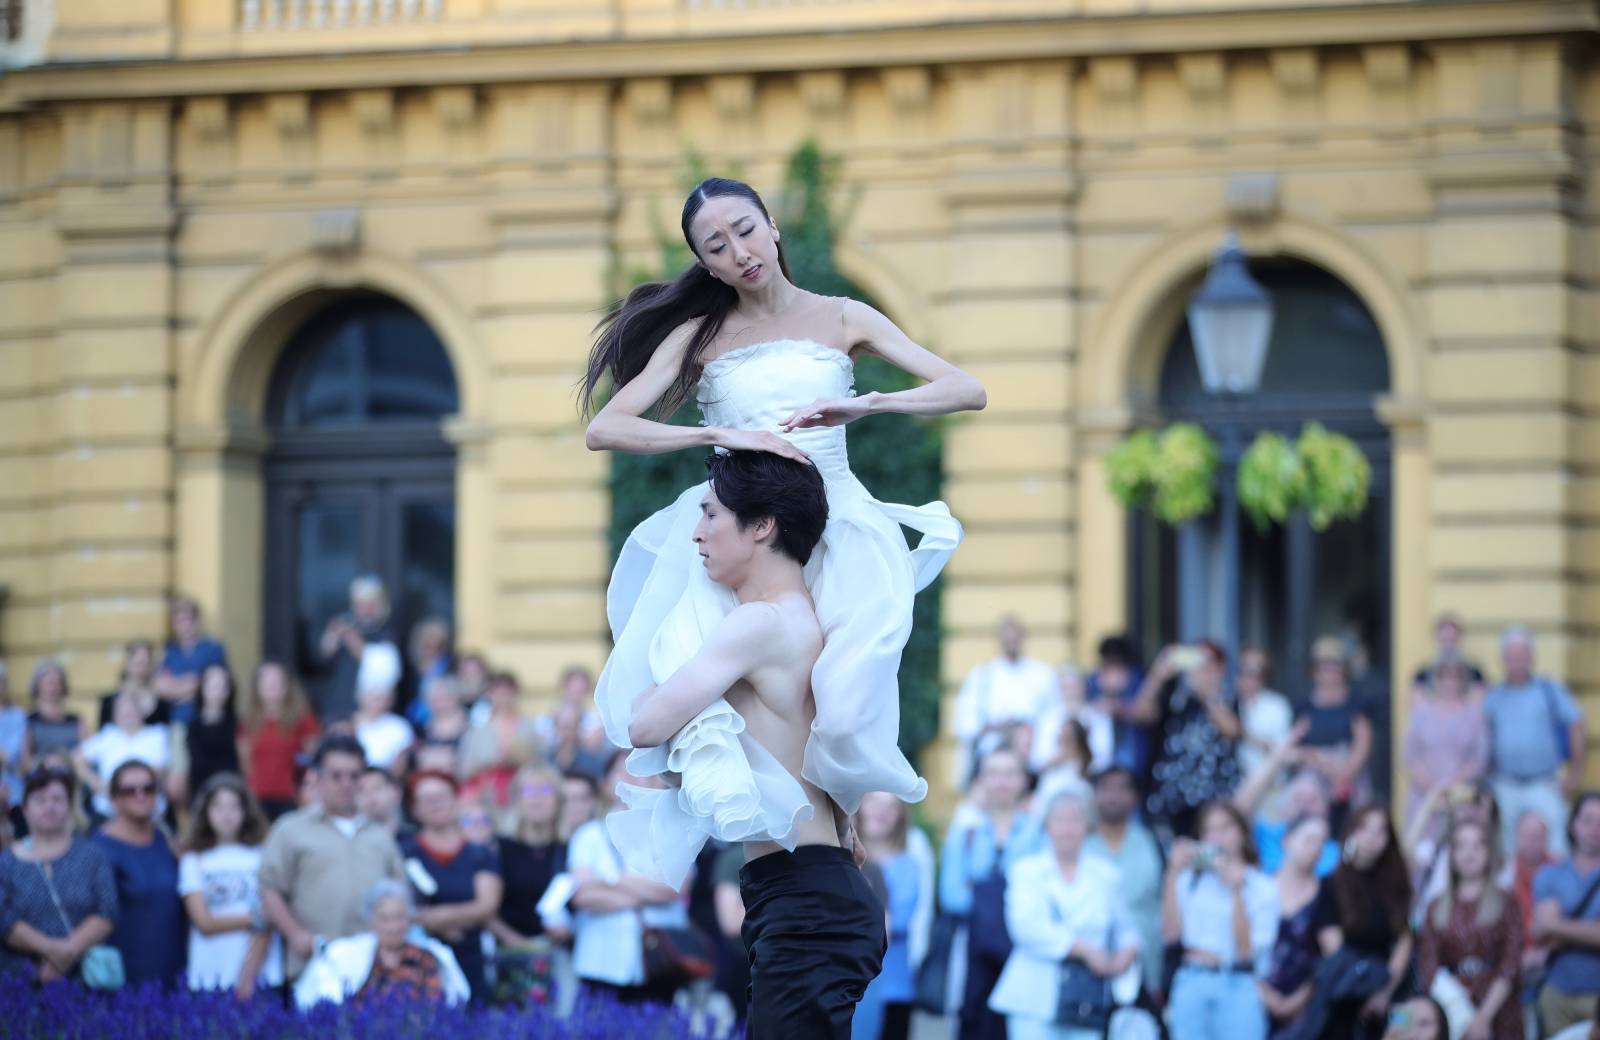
[(189, 874)]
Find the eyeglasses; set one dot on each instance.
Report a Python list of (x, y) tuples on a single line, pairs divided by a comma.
[(129, 790), (474, 819), (537, 789), (341, 774)]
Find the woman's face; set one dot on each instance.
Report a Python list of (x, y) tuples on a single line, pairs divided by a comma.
[(881, 814), (476, 824), (52, 690), (272, 685), (472, 672), (225, 813), (1072, 690), (433, 803), (735, 242), (538, 801), (390, 920), (1067, 826), (1469, 853), (1329, 674), (139, 664), (1003, 779), (1220, 830), (1305, 796), (444, 700), (134, 797), (125, 713), (214, 687), (374, 700), (1450, 681), (1369, 840), (1302, 847), (1422, 1021), (48, 811)]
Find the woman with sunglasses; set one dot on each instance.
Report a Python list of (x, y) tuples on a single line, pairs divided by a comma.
[(152, 932), (60, 898), (529, 859)]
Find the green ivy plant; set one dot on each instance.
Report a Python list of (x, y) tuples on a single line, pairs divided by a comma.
[(1171, 473), (1322, 472), (1338, 476), (898, 457), (1272, 481)]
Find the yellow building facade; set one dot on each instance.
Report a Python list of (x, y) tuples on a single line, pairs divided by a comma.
[(1036, 189)]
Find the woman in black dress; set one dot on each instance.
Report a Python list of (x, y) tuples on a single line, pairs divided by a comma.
[(212, 738)]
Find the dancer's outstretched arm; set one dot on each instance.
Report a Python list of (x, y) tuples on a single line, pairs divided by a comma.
[(946, 388), (621, 426), (742, 642)]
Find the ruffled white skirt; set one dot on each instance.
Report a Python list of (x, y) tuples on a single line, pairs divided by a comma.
[(661, 605)]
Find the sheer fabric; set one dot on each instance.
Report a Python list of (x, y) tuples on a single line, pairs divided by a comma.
[(862, 576)]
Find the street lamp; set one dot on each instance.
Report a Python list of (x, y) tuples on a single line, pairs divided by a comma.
[(1230, 321)]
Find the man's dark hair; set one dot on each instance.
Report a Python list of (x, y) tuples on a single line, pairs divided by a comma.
[(338, 744), (1113, 771), (585, 779), (757, 484), (1118, 650), (382, 774)]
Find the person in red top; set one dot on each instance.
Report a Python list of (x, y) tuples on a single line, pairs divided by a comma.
[(275, 727), (1530, 854)]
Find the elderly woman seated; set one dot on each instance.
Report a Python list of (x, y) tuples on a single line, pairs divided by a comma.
[(393, 960)]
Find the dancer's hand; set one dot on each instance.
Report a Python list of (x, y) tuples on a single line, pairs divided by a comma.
[(829, 411), (757, 440)]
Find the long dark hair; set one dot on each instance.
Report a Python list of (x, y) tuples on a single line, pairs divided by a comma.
[(1387, 878), (202, 837), (631, 331)]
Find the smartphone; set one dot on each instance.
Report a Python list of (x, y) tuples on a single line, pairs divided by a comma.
[(1187, 657), (1206, 857), (1399, 1017)]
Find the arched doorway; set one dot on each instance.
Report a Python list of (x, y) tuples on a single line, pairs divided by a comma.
[(359, 478), (1326, 363)]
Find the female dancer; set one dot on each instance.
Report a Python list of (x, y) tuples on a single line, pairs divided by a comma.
[(770, 366)]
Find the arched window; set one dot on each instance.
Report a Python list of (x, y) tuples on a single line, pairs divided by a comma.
[(1326, 363), (359, 478)]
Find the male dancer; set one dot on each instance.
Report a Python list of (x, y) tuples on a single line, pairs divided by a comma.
[(814, 930)]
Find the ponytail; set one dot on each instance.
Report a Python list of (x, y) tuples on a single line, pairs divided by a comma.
[(627, 337)]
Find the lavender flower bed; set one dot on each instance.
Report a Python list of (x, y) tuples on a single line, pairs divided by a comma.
[(65, 1011)]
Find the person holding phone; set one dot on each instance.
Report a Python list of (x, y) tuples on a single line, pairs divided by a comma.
[(1186, 698)]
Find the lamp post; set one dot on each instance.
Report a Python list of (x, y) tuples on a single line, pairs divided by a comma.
[(1230, 321)]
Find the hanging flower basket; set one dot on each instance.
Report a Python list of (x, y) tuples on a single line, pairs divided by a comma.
[(1338, 476), (1272, 480), (1170, 473)]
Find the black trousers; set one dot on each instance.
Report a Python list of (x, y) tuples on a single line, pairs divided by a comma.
[(816, 937)]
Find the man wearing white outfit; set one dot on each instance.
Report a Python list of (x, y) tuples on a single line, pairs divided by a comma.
[(998, 697)]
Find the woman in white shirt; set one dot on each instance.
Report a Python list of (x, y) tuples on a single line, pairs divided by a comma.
[(231, 946), (1223, 911), (1061, 904), (126, 738), (613, 907), (384, 736)]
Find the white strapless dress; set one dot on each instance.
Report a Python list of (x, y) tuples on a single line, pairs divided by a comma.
[(661, 605)]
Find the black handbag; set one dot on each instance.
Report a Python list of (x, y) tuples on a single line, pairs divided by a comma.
[(674, 957), (933, 975), (1083, 999)]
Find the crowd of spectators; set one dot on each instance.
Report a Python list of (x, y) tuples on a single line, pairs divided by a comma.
[(1183, 850), (1179, 848)]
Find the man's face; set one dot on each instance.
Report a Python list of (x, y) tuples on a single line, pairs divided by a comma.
[(1586, 829), (337, 779), (1114, 797), (185, 623), (577, 799), (1447, 635), (1517, 654), (377, 797), (725, 548), (1011, 637)]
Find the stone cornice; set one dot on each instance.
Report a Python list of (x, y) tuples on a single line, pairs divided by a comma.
[(946, 43)]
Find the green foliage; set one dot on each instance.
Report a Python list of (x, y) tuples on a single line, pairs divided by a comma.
[(1184, 477), (1170, 473), (1337, 476), (1272, 481), (896, 456)]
